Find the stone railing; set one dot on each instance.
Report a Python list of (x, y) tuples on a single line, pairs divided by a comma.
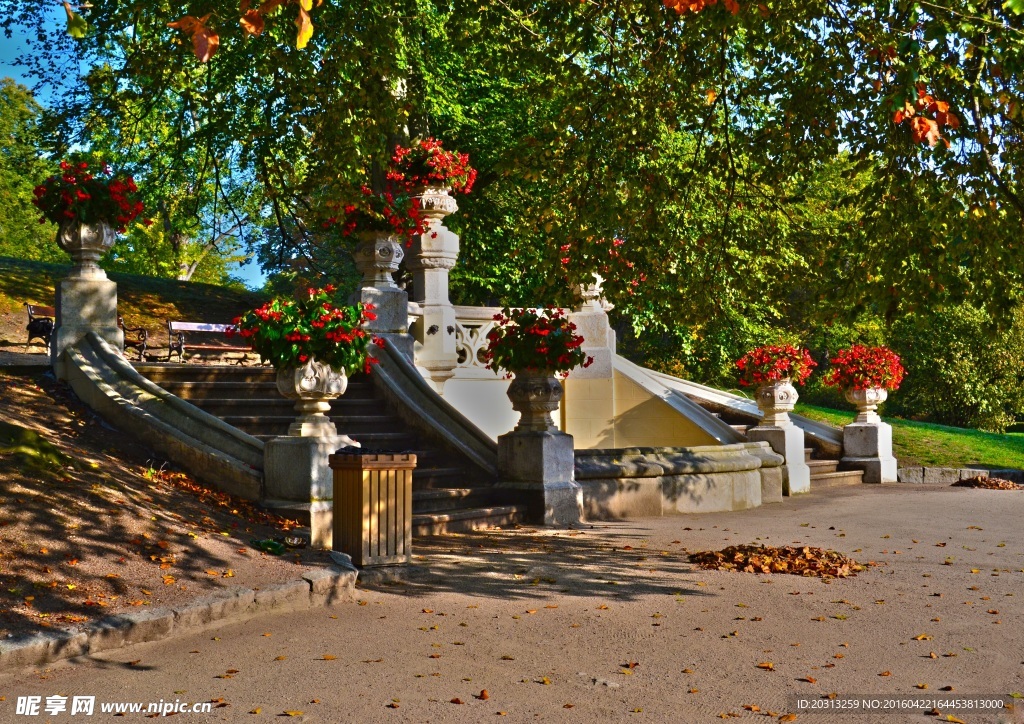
[(471, 327)]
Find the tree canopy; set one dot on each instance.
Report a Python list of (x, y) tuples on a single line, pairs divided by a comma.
[(712, 156)]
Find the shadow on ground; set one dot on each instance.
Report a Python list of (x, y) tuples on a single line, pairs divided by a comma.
[(608, 561)]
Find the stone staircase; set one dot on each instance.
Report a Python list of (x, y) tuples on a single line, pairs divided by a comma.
[(449, 495), (825, 472)]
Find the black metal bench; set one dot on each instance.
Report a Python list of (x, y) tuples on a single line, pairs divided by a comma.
[(176, 332), (136, 338), (40, 323)]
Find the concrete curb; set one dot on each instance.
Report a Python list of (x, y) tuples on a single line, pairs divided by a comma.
[(948, 476), (317, 587)]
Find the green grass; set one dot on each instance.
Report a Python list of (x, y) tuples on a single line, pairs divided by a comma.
[(941, 446)]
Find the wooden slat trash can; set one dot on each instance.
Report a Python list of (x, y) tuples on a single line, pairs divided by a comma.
[(373, 506)]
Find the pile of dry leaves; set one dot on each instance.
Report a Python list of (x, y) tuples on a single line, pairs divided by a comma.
[(988, 483), (804, 561)]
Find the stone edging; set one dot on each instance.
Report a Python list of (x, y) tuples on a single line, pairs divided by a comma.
[(316, 587), (940, 476)]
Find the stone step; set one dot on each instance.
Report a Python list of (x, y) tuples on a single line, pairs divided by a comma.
[(163, 372), (808, 451), (255, 389), (822, 466), (431, 479), (836, 479), (278, 423), (741, 429), (467, 519), (448, 499)]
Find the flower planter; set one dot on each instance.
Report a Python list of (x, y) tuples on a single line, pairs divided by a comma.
[(436, 202), (535, 395), (85, 243), (776, 401), (867, 402), (313, 386)]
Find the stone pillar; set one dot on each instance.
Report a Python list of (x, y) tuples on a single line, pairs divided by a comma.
[(536, 460), (589, 406), (296, 467), (86, 301), (867, 442), (376, 257), (433, 255), (776, 401)]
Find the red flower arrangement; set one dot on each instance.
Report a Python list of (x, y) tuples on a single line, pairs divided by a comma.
[(77, 194), (427, 163), (288, 332), (773, 363), (394, 213), (862, 368), (534, 340)]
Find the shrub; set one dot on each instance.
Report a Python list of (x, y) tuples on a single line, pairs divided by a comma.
[(960, 371)]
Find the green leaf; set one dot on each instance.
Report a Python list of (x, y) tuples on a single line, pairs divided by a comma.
[(1015, 6), (77, 27)]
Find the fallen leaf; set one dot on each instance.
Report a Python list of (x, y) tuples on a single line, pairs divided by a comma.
[(766, 665), (292, 712), (886, 673), (457, 700), (280, 658), (483, 695), (329, 657)]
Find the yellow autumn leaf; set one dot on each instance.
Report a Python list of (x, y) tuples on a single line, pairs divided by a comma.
[(766, 665), (292, 712), (305, 28), (329, 657)]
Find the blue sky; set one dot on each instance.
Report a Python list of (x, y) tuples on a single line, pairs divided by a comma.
[(11, 48)]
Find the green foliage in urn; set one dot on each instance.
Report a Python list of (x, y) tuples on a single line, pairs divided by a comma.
[(863, 368), (288, 332), (78, 194), (773, 363), (427, 163), (534, 340)]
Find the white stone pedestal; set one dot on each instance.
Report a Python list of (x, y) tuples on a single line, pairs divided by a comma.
[(539, 467), (392, 309), (867, 446), (788, 441), (83, 305), (297, 475), (433, 255)]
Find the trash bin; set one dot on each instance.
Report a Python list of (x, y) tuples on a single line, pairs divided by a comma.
[(373, 505)]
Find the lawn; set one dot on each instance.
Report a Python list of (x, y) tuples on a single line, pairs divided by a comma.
[(923, 443)]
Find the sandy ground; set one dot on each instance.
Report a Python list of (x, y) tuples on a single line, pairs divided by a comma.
[(612, 623)]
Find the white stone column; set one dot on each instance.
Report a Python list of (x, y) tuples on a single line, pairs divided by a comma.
[(297, 477), (86, 301), (589, 405), (377, 257), (776, 401), (433, 255), (867, 442), (536, 460)]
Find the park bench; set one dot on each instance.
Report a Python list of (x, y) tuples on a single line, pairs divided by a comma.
[(176, 332), (136, 338), (40, 322)]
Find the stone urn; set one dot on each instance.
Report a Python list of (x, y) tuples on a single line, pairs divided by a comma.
[(86, 243), (436, 202), (776, 401), (312, 386), (535, 395), (377, 257), (867, 402)]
